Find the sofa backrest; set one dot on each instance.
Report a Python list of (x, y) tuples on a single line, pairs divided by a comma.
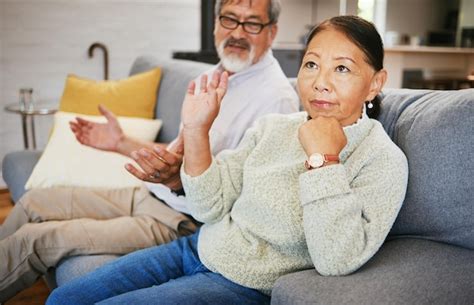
[(435, 129), (176, 75)]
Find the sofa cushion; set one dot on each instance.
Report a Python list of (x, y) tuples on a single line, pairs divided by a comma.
[(404, 271), (16, 169), (435, 131), (134, 96), (66, 162), (176, 76), (394, 102)]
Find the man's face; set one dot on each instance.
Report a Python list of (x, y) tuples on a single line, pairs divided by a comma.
[(237, 48)]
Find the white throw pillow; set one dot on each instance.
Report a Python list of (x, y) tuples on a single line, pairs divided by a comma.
[(66, 162)]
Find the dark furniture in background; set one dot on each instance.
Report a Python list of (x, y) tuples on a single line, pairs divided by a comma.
[(467, 38), (207, 53), (415, 79)]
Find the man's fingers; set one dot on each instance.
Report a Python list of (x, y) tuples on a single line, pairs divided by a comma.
[(141, 175), (74, 127), (81, 134), (151, 164), (82, 122), (107, 113), (104, 110), (138, 156), (169, 158)]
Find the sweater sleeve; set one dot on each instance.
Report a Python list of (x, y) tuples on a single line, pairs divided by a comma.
[(345, 222), (212, 194)]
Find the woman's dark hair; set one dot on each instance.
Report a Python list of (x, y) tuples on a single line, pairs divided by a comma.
[(363, 34)]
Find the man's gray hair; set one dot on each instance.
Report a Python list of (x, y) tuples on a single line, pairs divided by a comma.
[(273, 10)]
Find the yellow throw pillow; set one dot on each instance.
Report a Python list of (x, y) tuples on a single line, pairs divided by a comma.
[(66, 162), (134, 96)]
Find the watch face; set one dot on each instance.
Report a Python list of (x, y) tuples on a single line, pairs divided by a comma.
[(316, 160)]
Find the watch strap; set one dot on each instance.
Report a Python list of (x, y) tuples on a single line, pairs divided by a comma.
[(329, 158)]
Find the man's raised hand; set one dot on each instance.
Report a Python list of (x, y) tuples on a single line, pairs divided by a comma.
[(103, 136)]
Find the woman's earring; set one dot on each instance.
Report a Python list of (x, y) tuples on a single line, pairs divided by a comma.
[(370, 105)]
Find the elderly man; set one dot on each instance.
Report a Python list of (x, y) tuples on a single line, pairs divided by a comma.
[(48, 225)]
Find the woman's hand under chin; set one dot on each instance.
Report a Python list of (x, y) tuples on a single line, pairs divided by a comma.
[(322, 135)]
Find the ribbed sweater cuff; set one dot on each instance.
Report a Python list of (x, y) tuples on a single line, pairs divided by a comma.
[(202, 186), (323, 182)]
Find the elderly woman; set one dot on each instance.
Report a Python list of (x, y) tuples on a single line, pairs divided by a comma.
[(320, 188)]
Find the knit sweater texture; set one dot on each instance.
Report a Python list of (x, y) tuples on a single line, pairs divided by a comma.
[(265, 215)]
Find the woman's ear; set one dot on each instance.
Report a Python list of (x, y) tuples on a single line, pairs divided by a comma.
[(376, 85)]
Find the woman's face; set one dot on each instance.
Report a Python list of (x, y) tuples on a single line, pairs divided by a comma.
[(334, 78)]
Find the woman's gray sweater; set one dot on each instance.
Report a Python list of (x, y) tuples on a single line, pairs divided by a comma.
[(266, 215)]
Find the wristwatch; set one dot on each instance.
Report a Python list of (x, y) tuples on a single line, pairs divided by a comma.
[(317, 160)]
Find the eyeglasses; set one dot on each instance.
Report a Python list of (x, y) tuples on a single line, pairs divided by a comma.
[(249, 27)]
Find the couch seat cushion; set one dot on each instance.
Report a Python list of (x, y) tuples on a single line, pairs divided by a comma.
[(404, 271)]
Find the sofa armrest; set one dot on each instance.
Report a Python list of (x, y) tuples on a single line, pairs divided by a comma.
[(404, 271), (16, 169)]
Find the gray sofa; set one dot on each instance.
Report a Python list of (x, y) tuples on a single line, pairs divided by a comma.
[(428, 257)]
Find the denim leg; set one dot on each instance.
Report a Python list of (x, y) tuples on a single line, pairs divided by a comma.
[(204, 288), (138, 270)]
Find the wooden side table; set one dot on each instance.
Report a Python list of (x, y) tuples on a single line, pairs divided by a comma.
[(28, 116)]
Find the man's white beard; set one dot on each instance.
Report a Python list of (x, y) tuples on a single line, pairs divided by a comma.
[(232, 62)]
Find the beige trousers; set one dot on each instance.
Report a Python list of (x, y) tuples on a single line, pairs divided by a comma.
[(47, 225)]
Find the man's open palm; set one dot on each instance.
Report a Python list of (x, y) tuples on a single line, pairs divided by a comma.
[(103, 136)]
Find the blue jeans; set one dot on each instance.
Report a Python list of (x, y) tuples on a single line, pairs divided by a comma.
[(167, 274)]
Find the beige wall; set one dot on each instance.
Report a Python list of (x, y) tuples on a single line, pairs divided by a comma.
[(41, 41), (324, 9), (295, 15), (298, 16)]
